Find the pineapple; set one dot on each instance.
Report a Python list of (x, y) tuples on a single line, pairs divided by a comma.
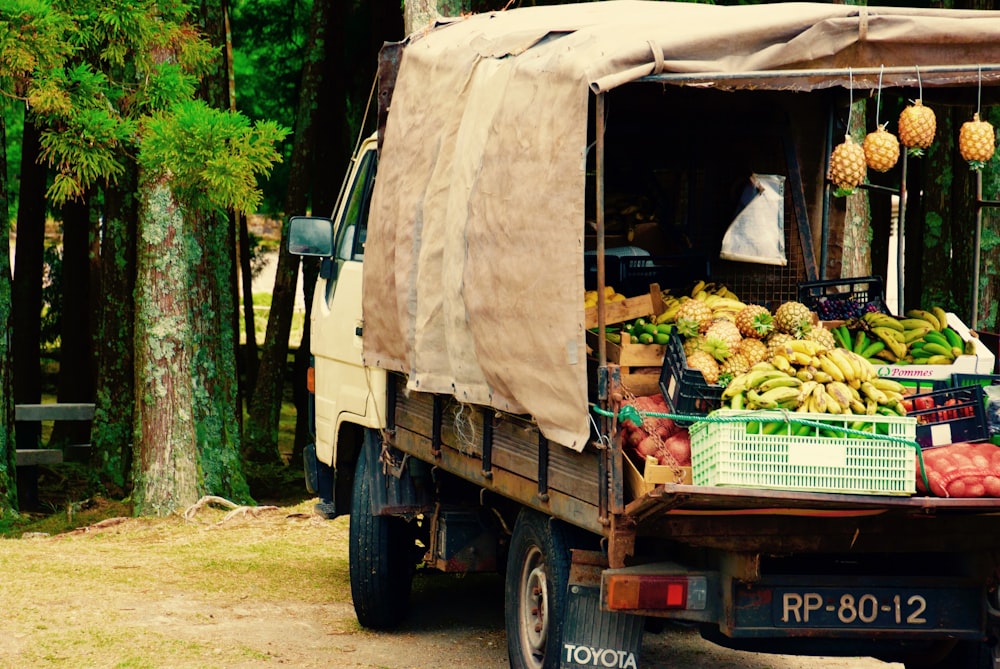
[(823, 336), (881, 149), (847, 165), (706, 364), (726, 331), (735, 364), (693, 344), (976, 142), (754, 350), (917, 125), (776, 342), (693, 317), (754, 321), (793, 318)]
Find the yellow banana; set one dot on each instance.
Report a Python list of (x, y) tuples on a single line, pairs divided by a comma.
[(805, 392), (806, 346), (877, 319), (913, 334), (782, 363), (798, 358), (822, 376), (827, 364), (698, 288), (871, 391), (941, 315), (924, 315), (890, 337), (840, 358), (763, 365), (819, 399), (840, 392), (885, 384)]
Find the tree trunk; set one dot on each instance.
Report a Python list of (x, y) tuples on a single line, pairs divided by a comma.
[(165, 472), (111, 437), (76, 370), (214, 337), (216, 401), (8, 453), (265, 408), (27, 289)]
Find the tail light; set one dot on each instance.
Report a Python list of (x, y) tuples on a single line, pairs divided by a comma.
[(637, 592)]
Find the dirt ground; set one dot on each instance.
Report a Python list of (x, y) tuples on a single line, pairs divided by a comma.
[(262, 589)]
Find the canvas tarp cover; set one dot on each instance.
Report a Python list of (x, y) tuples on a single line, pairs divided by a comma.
[(473, 277)]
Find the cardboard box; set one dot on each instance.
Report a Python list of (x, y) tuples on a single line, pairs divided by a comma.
[(982, 361), (640, 483)]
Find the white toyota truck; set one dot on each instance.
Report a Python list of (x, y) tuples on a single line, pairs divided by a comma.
[(466, 422)]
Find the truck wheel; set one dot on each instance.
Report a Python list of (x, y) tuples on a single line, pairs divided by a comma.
[(535, 591), (380, 554)]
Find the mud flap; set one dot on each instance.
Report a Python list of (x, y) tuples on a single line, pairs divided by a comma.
[(592, 637), (398, 482)]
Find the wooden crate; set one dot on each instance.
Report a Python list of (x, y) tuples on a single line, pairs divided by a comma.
[(652, 475)]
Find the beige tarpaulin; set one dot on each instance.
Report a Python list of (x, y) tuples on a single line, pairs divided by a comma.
[(474, 258)]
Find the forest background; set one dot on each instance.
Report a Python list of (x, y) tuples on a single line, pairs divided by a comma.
[(139, 139)]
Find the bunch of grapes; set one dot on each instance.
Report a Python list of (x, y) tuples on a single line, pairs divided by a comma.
[(844, 309)]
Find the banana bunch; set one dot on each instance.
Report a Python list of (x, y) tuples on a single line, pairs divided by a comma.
[(923, 337), (808, 377), (723, 302), (940, 344)]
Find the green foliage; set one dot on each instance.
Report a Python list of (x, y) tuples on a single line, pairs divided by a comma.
[(211, 156)]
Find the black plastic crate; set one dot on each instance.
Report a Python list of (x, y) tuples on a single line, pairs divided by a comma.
[(685, 389), (949, 415), (637, 272), (840, 299)]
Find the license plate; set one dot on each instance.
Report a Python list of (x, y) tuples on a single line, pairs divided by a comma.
[(869, 607), (796, 607)]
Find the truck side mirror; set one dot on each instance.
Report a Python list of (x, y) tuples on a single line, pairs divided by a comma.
[(310, 236)]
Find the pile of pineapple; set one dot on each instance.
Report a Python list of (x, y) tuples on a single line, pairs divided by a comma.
[(880, 150), (724, 337)]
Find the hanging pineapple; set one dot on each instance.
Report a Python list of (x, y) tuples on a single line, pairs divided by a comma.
[(917, 125), (976, 142), (881, 149), (847, 165)]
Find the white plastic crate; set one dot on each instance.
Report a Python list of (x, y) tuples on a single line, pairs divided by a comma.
[(820, 460)]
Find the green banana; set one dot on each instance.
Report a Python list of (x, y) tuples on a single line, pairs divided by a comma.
[(872, 349), (954, 339), (936, 337), (783, 381), (860, 342), (936, 349)]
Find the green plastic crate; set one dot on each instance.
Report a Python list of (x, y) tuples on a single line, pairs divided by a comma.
[(824, 459)]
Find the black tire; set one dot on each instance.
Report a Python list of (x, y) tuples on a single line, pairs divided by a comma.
[(381, 553), (535, 591), (964, 655)]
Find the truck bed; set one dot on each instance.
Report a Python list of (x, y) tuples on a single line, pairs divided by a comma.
[(506, 454)]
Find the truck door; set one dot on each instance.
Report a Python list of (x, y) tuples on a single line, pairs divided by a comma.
[(344, 391)]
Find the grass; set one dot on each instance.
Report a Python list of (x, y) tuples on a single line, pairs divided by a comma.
[(165, 592)]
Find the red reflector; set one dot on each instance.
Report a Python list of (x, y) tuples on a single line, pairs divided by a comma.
[(311, 379), (627, 592)]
